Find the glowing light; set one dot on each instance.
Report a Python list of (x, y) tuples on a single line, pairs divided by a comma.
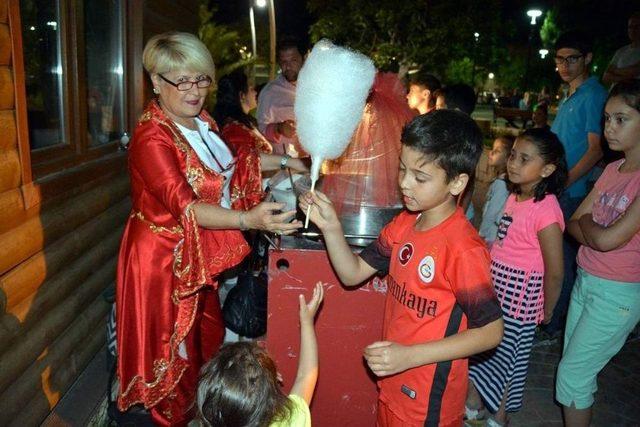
[(476, 35), (534, 13), (543, 53), (261, 3), (53, 24), (491, 76), (118, 70), (32, 28)]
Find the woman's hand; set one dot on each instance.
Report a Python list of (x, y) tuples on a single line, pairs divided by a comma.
[(322, 212), (267, 217)]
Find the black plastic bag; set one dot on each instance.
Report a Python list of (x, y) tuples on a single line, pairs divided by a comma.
[(245, 309)]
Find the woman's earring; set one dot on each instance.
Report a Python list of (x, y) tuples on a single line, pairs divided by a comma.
[(155, 90)]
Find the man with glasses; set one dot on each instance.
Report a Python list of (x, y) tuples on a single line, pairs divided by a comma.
[(625, 63), (578, 126)]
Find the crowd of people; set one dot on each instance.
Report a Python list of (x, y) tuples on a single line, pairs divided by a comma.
[(556, 254)]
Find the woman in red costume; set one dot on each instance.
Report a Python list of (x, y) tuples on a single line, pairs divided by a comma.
[(180, 235), (235, 99)]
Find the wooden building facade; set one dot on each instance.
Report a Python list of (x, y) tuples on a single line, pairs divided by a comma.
[(71, 86)]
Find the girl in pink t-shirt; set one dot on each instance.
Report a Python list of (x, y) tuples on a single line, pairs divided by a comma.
[(526, 267), (605, 301)]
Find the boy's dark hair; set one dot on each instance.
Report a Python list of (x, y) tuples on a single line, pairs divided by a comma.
[(228, 106), (629, 91), (427, 80), (239, 387), (450, 138), (459, 97), (552, 152), (289, 41), (575, 40)]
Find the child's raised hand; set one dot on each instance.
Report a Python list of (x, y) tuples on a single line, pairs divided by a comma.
[(308, 310), (387, 358), (322, 212)]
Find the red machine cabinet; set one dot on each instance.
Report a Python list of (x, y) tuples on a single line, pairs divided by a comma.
[(348, 321)]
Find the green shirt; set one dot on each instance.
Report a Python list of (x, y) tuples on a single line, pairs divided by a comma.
[(300, 415)]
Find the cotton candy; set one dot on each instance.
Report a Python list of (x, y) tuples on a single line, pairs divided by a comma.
[(331, 92)]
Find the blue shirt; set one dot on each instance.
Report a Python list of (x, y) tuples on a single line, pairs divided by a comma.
[(579, 115)]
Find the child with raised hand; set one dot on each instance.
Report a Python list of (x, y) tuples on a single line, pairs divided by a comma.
[(239, 386), (440, 306), (527, 271), (498, 192), (605, 301)]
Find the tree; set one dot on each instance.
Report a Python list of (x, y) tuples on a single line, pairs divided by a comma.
[(227, 47), (429, 34)]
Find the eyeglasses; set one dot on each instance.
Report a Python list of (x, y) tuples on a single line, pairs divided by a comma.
[(187, 85), (571, 59)]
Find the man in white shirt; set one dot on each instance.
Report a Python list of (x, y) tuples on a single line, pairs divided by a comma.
[(276, 119), (625, 63)]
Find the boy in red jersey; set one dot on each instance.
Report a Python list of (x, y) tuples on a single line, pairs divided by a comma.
[(440, 305)]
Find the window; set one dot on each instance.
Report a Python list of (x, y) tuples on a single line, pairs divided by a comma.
[(43, 72), (104, 70), (74, 59)]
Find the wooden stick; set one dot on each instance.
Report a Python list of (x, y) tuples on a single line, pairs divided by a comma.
[(306, 221)]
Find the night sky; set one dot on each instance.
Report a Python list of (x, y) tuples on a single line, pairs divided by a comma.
[(291, 15)]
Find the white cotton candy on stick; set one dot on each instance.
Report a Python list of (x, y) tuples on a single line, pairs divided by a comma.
[(331, 93)]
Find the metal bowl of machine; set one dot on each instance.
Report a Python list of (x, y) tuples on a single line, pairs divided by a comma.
[(361, 224)]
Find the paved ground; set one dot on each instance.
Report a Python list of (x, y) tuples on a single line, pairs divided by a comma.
[(617, 399)]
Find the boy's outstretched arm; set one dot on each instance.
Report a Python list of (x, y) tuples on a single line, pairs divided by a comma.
[(350, 268), (388, 358), (307, 375)]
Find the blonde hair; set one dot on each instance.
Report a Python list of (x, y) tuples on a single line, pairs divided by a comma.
[(174, 50)]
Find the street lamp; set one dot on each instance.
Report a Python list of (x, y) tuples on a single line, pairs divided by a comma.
[(533, 14), (543, 53), (272, 31)]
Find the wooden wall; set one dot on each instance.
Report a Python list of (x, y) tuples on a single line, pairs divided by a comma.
[(59, 235)]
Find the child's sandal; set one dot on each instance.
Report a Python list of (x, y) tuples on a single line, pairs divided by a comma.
[(473, 414)]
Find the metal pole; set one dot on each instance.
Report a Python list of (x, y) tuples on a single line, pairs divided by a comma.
[(526, 72), (252, 23), (272, 40)]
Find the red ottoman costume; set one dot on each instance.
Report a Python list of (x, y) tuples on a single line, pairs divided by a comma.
[(166, 289), (246, 144)]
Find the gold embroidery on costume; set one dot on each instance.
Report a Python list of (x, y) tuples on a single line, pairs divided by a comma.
[(157, 228)]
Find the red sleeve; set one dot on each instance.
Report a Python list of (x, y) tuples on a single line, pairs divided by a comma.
[(153, 157), (468, 272), (378, 253), (246, 183)]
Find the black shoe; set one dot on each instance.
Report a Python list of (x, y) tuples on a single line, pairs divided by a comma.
[(543, 338)]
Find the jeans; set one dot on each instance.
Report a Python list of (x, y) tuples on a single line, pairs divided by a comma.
[(569, 252)]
